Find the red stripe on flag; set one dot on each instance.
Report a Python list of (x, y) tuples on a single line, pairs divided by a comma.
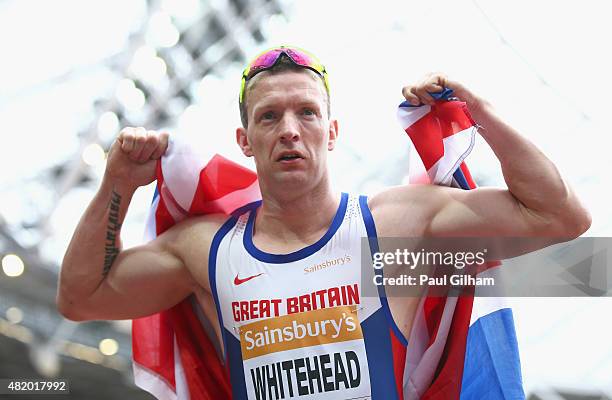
[(445, 119), (446, 384), (429, 146), (219, 178), (399, 363), (467, 175), (206, 378), (163, 219), (433, 307), (153, 345)]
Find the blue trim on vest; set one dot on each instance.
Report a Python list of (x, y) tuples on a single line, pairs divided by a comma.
[(377, 341), (368, 220), (234, 367), (299, 254), (247, 207)]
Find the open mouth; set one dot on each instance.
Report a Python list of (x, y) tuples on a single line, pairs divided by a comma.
[(289, 157)]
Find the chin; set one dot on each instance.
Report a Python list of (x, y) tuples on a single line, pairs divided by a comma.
[(293, 179)]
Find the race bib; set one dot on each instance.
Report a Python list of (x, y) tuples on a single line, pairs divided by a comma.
[(317, 354)]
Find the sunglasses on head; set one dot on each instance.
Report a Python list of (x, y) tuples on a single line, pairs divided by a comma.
[(269, 58)]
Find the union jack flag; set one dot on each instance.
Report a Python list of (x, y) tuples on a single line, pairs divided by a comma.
[(459, 347)]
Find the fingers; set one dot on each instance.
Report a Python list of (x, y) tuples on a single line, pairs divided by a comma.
[(140, 137), (126, 138), (421, 92), (162, 146), (411, 97), (141, 145), (148, 147)]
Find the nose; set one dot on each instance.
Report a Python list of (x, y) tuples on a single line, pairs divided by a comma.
[(289, 128)]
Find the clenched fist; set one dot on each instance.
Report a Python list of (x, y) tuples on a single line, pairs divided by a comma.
[(134, 154), (419, 93)]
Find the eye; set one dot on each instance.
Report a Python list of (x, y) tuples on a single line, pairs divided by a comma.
[(268, 115), (308, 111)]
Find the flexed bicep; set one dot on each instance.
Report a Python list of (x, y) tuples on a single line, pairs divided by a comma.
[(144, 280)]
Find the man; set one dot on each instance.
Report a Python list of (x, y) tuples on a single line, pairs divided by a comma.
[(287, 326)]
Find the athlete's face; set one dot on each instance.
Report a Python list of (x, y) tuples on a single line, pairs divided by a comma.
[(289, 132)]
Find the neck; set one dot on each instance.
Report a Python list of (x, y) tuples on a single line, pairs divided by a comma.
[(292, 217)]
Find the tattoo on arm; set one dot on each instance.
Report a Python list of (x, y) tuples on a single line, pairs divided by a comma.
[(112, 230)]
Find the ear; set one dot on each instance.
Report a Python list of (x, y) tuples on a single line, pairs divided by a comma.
[(243, 142), (333, 134)]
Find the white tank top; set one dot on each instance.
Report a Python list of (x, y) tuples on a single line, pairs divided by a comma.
[(296, 326)]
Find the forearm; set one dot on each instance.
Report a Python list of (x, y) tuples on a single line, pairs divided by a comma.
[(530, 176), (95, 243)]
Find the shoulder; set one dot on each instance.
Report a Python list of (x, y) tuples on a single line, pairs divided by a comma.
[(193, 235), (200, 228), (206, 226), (407, 209), (190, 241), (400, 194)]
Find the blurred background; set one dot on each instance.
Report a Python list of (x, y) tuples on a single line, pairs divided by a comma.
[(72, 73)]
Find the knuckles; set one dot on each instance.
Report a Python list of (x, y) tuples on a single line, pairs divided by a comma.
[(134, 140), (419, 91), (139, 135)]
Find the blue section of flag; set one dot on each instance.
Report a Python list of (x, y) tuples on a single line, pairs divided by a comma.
[(443, 95), (155, 195), (492, 368), (460, 179)]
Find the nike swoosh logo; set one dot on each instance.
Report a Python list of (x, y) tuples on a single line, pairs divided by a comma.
[(238, 281)]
